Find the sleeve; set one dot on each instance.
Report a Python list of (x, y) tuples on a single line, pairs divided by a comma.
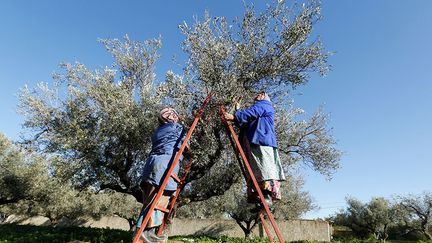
[(244, 116), (182, 136)]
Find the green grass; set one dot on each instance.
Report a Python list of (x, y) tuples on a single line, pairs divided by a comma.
[(40, 234)]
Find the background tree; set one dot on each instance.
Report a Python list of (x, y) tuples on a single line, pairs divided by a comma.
[(417, 213), (100, 121), (22, 175), (29, 186), (373, 218)]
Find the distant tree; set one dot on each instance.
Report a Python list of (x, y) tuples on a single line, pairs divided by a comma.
[(101, 121), (29, 186), (373, 218), (20, 173), (417, 213), (65, 202)]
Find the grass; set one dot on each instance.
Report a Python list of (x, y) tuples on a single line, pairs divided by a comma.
[(41, 234), (44, 234)]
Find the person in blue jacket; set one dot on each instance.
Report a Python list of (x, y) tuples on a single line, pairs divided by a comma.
[(258, 137), (166, 141)]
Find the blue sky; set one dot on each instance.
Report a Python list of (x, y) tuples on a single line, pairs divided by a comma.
[(378, 92)]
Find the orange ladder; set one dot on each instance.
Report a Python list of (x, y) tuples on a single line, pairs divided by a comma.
[(245, 167), (169, 173)]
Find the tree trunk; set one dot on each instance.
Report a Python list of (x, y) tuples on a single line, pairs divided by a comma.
[(425, 230), (428, 235), (383, 235)]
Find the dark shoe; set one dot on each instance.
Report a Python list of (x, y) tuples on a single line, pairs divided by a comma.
[(253, 198), (258, 208)]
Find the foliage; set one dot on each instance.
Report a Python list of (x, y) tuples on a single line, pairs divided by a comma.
[(373, 218), (25, 176), (407, 217), (99, 122), (72, 204), (98, 127), (415, 213), (28, 186)]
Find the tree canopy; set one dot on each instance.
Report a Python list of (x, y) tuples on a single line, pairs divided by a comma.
[(100, 121), (405, 217)]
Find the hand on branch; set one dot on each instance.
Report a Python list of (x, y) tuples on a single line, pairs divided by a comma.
[(237, 106), (228, 116)]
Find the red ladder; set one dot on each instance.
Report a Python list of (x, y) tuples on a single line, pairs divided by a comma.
[(181, 182), (168, 174), (173, 200), (246, 168)]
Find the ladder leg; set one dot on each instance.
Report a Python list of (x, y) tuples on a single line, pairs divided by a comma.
[(263, 223), (174, 198)]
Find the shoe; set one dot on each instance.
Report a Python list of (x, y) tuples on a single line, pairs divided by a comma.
[(269, 200), (150, 236), (258, 207), (253, 199)]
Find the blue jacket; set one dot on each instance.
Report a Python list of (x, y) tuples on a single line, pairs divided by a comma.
[(166, 141), (257, 123)]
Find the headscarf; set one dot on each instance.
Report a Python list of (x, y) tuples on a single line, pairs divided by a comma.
[(266, 96), (168, 115)]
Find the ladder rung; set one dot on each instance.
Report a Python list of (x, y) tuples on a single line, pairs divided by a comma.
[(176, 178), (165, 210)]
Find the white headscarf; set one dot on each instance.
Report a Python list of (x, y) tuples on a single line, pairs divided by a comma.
[(266, 96), (168, 115)]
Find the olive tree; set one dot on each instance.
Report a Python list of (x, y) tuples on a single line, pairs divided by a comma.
[(24, 176), (417, 213), (100, 121), (373, 218), (15, 183), (30, 185)]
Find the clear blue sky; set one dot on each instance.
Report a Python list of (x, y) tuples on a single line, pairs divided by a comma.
[(378, 93)]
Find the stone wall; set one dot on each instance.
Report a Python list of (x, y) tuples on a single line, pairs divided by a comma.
[(291, 230)]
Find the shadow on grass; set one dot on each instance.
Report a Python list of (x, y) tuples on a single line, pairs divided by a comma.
[(209, 239), (213, 230)]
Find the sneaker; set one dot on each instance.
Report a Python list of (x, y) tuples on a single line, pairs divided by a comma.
[(150, 236), (269, 200)]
